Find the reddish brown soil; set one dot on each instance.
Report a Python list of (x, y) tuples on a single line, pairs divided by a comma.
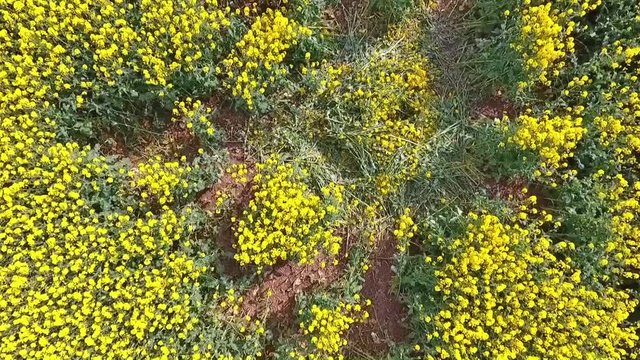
[(387, 313), (176, 141), (512, 190), (240, 193), (233, 124), (275, 296), (497, 106), (113, 145), (240, 196), (181, 141), (507, 190)]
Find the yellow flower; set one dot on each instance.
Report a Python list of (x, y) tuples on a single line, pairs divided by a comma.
[(261, 50), (504, 290), (285, 219), (328, 326)]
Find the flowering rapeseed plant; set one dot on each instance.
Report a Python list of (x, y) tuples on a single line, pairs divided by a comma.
[(62, 43), (196, 117), (392, 94), (623, 247), (547, 36), (327, 327), (285, 219), (618, 126), (95, 253), (158, 180), (88, 276), (239, 172), (257, 58), (553, 138), (405, 230), (507, 293)]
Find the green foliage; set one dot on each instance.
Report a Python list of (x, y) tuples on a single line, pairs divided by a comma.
[(382, 104), (391, 11)]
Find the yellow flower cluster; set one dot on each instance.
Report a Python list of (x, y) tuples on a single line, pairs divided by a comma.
[(46, 43), (196, 117), (328, 327), (621, 131), (285, 219), (393, 93), (508, 296), (405, 230), (83, 283), (545, 43), (256, 60), (157, 180), (546, 36), (553, 138), (231, 300), (222, 199), (90, 272), (624, 245), (175, 34), (239, 172)]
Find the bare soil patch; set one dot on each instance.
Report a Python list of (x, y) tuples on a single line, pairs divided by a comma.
[(496, 107), (240, 195), (233, 124), (275, 296), (387, 314), (506, 189), (511, 189), (173, 143), (181, 141), (112, 145)]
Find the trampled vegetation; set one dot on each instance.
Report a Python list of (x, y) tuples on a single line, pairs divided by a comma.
[(320, 179)]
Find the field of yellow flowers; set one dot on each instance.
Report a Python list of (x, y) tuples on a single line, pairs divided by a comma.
[(319, 179)]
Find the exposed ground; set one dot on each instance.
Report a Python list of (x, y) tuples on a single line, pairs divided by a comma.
[(388, 315), (275, 296)]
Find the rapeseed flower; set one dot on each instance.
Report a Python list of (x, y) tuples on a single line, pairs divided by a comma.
[(285, 219)]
